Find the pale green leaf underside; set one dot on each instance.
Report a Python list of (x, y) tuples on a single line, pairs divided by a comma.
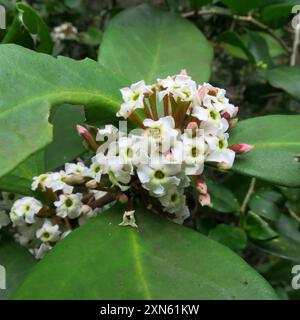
[(145, 43), (276, 141), (160, 260)]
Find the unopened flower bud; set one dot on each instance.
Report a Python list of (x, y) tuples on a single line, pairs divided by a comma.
[(232, 122), (235, 112), (85, 209), (204, 200), (122, 197), (92, 184), (74, 179), (223, 165), (82, 131), (241, 148), (201, 185)]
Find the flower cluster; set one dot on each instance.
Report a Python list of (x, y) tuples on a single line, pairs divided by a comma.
[(181, 126)]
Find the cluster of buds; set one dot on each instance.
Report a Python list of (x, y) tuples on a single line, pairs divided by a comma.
[(180, 127)]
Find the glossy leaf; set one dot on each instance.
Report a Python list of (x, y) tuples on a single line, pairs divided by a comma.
[(231, 236), (276, 144), (146, 43), (257, 228), (160, 260), (30, 30), (242, 6), (289, 227), (282, 247), (18, 262), (24, 127), (286, 78), (264, 208), (66, 145), (223, 200)]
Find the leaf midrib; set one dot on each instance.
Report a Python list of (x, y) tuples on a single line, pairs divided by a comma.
[(54, 98)]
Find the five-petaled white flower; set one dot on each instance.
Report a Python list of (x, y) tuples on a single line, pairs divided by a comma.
[(69, 205)]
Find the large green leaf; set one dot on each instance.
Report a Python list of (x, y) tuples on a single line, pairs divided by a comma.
[(242, 6), (286, 78), (17, 262), (276, 141), (160, 260), (146, 43), (66, 145), (31, 92), (30, 83)]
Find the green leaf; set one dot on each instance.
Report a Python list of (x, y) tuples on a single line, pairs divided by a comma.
[(18, 262), (223, 200), (146, 43), (257, 228), (234, 39), (264, 208), (241, 6), (282, 247), (66, 145), (231, 236), (288, 227), (160, 260), (259, 48), (47, 82), (29, 24), (286, 78), (276, 14), (276, 141)]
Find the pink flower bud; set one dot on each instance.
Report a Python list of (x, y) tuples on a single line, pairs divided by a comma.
[(235, 112), (82, 131), (202, 91), (192, 125), (233, 122), (201, 185), (241, 148), (223, 165), (122, 197), (87, 136), (204, 200), (183, 72)]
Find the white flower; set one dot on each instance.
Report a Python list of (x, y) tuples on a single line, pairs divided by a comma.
[(39, 181), (48, 232), (219, 151), (157, 177), (40, 252), (182, 214), (110, 132), (24, 211), (98, 167), (194, 156), (76, 168), (119, 172), (182, 87), (25, 240), (69, 205), (173, 200), (129, 219), (55, 181), (133, 98), (86, 213), (4, 219), (8, 199), (161, 133)]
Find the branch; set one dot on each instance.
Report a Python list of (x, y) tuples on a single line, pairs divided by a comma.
[(249, 19), (248, 195)]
